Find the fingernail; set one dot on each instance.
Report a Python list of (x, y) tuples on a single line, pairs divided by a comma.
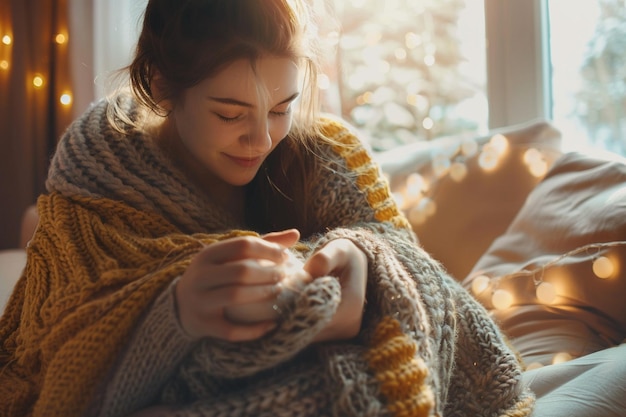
[(277, 289)]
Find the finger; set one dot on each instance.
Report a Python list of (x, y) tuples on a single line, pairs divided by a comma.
[(243, 272), (323, 262), (240, 294), (232, 332), (241, 248), (286, 238)]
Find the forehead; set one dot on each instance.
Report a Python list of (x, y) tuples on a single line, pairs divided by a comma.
[(273, 77)]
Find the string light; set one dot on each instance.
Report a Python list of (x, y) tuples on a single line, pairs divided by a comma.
[(65, 99), (60, 38), (38, 81), (603, 267), (501, 299), (480, 284), (4, 64), (561, 357), (546, 293), (458, 171), (6, 39)]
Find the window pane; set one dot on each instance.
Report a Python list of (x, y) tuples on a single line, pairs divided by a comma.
[(406, 71), (588, 59)]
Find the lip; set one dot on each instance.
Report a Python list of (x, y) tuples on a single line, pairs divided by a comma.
[(245, 162)]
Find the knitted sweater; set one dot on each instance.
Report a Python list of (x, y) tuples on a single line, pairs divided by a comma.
[(91, 328)]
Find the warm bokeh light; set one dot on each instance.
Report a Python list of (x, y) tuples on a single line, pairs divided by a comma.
[(561, 357), (488, 159), (534, 365), (441, 165), (480, 284), (415, 185), (60, 38), (469, 147), (458, 171), (501, 299), (38, 81), (4, 64), (536, 163), (323, 82), (66, 99), (603, 267), (6, 39), (500, 143), (546, 293)]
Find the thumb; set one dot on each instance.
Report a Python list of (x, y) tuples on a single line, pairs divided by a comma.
[(285, 238)]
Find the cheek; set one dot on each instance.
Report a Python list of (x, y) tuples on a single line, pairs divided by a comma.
[(280, 128)]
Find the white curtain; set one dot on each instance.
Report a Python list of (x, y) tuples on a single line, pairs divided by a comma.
[(103, 35)]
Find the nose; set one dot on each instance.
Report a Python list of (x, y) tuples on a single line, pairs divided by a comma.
[(258, 138)]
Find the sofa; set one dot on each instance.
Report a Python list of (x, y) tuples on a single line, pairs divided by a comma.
[(535, 232), (538, 234)]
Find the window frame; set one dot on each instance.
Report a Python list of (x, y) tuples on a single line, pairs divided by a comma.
[(518, 61)]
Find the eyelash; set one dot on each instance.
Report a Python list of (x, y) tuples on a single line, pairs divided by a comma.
[(236, 118), (228, 119), (281, 113)]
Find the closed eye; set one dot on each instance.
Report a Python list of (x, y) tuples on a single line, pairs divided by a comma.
[(280, 113), (229, 119)]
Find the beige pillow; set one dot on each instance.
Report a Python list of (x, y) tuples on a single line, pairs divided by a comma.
[(563, 262), (465, 215)]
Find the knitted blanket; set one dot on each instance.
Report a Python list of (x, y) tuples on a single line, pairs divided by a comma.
[(91, 327)]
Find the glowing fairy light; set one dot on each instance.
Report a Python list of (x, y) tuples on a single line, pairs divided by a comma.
[(480, 284), (38, 81), (603, 267), (500, 143), (488, 159), (65, 99), (546, 293), (415, 184), (6, 39), (469, 147), (501, 299), (458, 171), (323, 82), (441, 165), (534, 160), (561, 357), (60, 39)]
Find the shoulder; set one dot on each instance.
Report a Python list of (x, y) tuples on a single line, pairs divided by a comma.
[(345, 142), (338, 130)]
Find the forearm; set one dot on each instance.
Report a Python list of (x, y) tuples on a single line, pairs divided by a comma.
[(151, 357)]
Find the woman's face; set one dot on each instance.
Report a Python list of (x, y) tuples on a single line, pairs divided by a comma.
[(224, 129)]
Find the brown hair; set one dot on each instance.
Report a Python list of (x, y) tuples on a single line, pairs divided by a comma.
[(183, 42), (186, 41)]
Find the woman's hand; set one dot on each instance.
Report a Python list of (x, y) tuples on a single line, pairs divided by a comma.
[(343, 259), (232, 272)]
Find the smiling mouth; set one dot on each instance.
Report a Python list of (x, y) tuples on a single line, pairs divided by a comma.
[(246, 162)]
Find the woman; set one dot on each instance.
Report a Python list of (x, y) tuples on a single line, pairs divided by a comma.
[(210, 245)]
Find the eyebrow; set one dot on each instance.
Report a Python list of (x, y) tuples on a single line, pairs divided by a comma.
[(232, 101)]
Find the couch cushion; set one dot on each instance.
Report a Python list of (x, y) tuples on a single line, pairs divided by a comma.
[(563, 262), (467, 203)]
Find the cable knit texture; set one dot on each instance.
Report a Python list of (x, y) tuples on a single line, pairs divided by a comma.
[(91, 328)]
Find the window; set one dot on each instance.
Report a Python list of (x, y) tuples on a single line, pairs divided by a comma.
[(588, 71), (563, 60), (406, 71)]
